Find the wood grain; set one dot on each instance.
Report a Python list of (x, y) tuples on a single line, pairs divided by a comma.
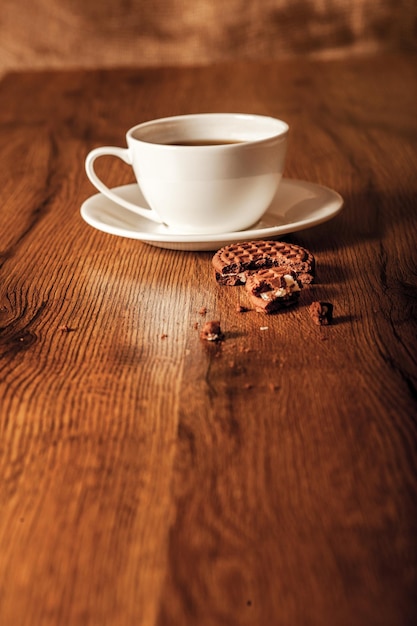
[(148, 478)]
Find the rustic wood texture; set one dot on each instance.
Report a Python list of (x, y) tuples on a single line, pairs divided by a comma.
[(76, 33), (148, 478)]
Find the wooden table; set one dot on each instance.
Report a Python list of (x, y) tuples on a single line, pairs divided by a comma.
[(150, 478)]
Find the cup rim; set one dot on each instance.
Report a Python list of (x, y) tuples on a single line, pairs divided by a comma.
[(278, 128)]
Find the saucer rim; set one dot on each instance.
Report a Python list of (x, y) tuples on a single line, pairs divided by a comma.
[(335, 205)]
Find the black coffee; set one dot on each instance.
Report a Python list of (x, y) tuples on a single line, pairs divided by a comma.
[(205, 142)]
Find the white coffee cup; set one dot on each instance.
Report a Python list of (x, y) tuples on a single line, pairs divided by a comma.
[(202, 173)]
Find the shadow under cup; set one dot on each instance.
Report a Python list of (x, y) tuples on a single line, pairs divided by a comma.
[(207, 173)]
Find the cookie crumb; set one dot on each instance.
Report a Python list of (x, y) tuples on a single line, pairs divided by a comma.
[(211, 331), (241, 309), (321, 313), (263, 327), (65, 329), (203, 311), (164, 336)]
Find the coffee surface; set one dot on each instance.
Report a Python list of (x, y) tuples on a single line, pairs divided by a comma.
[(205, 142)]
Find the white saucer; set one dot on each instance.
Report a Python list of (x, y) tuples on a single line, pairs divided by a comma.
[(297, 205)]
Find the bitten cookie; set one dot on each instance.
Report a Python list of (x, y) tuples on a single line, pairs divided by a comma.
[(233, 264), (273, 288)]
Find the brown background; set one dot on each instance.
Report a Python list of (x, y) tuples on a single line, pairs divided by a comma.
[(91, 33)]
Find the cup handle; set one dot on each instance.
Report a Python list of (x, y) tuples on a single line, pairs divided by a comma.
[(124, 155)]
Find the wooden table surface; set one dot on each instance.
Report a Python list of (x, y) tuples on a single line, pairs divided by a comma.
[(150, 478)]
